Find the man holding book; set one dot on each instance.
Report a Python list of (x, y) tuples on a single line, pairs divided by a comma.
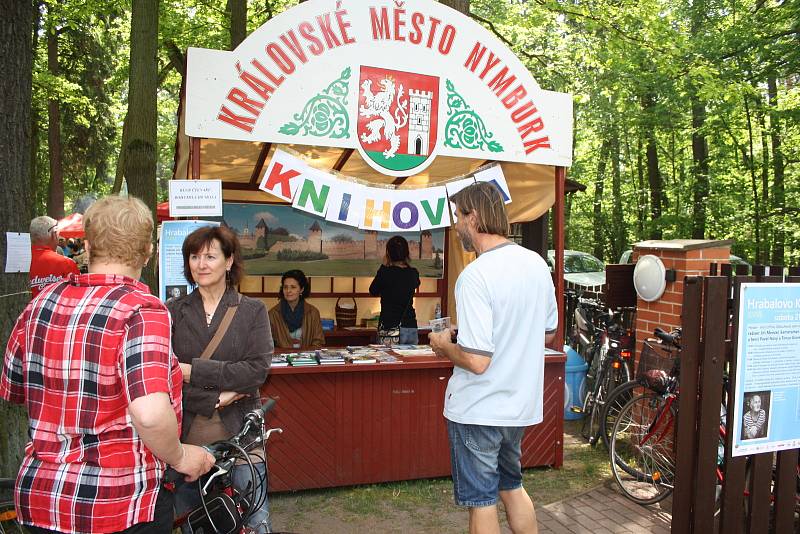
[(506, 313)]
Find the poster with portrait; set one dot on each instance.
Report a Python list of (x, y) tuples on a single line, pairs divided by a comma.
[(172, 283), (767, 389), (277, 237)]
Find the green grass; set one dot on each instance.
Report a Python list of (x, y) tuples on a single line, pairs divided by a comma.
[(428, 504)]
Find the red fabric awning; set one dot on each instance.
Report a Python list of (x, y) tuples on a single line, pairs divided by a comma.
[(71, 226), (162, 212)]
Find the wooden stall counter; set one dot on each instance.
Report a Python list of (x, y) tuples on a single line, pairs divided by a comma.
[(357, 335), (366, 423)]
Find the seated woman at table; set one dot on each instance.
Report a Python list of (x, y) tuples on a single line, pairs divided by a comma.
[(395, 284), (295, 323)]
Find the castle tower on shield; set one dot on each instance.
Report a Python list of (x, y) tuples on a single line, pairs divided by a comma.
[(419, 122)]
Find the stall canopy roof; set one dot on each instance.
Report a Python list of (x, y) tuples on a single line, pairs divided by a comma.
[(236, 163)]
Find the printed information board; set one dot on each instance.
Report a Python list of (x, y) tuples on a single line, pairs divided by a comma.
[(767, 390), (172, 283)]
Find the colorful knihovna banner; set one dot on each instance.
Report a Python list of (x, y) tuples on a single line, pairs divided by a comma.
[(382, 209)]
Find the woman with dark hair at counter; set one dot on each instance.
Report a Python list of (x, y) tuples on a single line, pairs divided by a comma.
[(222, 340), (395, 284), (295, 323)]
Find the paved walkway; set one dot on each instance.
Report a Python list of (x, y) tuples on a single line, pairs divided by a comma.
[(603, 510)]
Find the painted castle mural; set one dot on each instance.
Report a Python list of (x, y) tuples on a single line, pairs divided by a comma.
[(276, 237)]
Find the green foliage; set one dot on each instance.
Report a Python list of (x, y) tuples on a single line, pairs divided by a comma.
[(634, 69)]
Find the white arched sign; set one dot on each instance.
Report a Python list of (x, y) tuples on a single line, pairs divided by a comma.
[(401, 82)]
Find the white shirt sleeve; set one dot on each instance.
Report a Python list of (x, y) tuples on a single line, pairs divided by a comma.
[(552, 306), (475, 320)]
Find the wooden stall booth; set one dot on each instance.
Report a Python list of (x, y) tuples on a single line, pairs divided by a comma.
[(367, 115)]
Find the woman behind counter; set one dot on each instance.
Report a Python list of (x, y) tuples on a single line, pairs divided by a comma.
[(395, 284), (294, 321), (219, 389)]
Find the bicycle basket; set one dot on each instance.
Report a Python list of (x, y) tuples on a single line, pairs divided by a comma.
[(654, 366)]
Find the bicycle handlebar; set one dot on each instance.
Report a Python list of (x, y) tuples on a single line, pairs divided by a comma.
[(220, 449), (671, 339)]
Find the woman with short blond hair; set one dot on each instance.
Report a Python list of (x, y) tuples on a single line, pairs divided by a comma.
[(91, 361)]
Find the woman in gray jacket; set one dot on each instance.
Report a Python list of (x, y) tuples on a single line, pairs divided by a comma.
[(220, 388)]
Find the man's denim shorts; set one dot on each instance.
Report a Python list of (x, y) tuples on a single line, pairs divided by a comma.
[(485, 460)]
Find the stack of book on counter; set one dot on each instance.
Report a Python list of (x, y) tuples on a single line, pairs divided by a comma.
[(368, 354), (280, 360), (302, 359), (331, 357), (413, 350)]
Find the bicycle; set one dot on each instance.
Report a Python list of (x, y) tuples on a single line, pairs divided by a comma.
[(609, 359), (8, 514), (223, 508), (641, 441), (623, 393)]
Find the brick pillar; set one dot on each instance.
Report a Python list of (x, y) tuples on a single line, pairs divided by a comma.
[(687, 257)]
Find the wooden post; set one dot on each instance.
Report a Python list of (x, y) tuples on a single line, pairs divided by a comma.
[(685, 440), (558, 242), (195, 156)]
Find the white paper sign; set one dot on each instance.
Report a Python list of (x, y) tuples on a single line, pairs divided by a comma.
[(313, 192), (18, 252), (434, 211), (195, 198), (454, 187), (377, 209), (283, 175), (346, 203), (495, 176)]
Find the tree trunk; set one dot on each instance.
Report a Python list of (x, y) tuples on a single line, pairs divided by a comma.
[(119, 173), (653, 173), (597, 206), (778, 191), (459, 5), (700, 186), (619, 234), (750, 165), (641, 196), (699, 168), (237, 13), (140, 149), (55, 195), (16, 60)]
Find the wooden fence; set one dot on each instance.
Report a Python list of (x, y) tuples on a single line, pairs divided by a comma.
[(759, 492)]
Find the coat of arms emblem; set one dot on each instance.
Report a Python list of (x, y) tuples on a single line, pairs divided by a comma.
[(397, 120)]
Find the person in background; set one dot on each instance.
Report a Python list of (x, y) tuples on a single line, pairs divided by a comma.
[(295, 323), (507, 311), (395, 283), (220, 388), (90, 359), (47, 266)]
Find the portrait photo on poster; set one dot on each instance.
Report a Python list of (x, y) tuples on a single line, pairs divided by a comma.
[(755, 421), (175, 291)]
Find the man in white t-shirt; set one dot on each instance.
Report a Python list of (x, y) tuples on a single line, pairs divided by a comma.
[(506, 313)]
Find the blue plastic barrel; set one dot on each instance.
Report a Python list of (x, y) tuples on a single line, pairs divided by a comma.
[(574, 382)]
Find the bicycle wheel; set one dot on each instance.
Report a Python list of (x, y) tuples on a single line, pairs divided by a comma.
[(8, 519), (643, 449), (587, 410), (614, 403)]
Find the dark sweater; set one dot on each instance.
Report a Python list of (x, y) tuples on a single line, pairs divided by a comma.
[(395, 286), (240, 363)]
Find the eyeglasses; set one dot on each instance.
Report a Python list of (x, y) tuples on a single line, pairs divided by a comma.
[(54, 227)]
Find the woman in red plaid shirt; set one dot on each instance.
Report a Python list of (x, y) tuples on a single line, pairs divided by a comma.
[(90, 359)]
